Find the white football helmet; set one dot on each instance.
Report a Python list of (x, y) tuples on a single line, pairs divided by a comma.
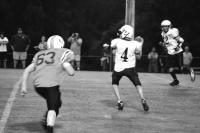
[(166, 23), (55, 41), (126, 31)]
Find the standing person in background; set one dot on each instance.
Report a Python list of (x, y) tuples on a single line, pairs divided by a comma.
[(153, 61), (20, 44), (3, 49), (187, 61), (76, 43), (42, 45), (105, 58)]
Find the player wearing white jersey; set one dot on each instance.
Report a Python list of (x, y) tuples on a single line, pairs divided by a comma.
[(172, 43), (127, 50)]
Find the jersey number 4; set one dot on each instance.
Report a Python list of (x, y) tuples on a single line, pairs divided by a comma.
[(47, 58), (124, 55)]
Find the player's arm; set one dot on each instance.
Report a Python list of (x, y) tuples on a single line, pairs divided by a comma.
[(24, 78), (67, 57), (68, 68), (138, 50), (138, 53)]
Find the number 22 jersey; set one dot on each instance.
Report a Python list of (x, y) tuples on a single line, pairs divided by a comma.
[(48, 66), (125, 53)]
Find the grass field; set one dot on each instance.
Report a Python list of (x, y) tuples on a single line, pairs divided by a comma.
[(89, 105)]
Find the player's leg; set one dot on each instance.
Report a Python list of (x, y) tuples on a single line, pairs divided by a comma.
[(15, 59), (173, 62), (192, 74), (54, 104), (173, 74), (116, 76), (42, 92), (132, 74)]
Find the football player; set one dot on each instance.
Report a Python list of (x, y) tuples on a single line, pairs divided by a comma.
[(127, 50), (172, 43), (47, 68)]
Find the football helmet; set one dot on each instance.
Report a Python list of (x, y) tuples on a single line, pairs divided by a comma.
[(55, 41), (165, 25), (126, 31)]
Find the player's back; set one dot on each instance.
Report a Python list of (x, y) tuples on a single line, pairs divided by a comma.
[(48, 67), (125, 53)]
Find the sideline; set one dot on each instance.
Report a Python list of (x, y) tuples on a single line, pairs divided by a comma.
[(8, 108)]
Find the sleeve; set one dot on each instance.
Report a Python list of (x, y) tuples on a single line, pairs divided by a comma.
[(69, 39), (175, 32), (67, 56), (114, 43)]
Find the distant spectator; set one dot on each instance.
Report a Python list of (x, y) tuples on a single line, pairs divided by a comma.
[(187, 60), (153, 61), (76, 43), (3, 49), (20, 44), (42, 45), (105, 58)]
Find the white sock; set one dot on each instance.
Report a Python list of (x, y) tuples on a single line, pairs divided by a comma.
[(51, 118)]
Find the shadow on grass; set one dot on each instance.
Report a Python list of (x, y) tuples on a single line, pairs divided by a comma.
[(127, 104), (30, 126)]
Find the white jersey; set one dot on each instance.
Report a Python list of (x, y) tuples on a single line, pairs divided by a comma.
[(170, 41), (125, 53), (3, 44)]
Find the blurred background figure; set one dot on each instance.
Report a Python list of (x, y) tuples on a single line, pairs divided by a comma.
[(42, 45), (105, 58), (20, 44), (187, 60), (153, 61), (76, 42), (3, 49)]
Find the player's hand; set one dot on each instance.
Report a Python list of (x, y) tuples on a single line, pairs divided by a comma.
[(161, 43), (177, 48), (24, 91)]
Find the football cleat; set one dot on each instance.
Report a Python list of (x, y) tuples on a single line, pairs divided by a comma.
[(192, 75), (175, 82), (120, 105), (145, 105), (49, 129)]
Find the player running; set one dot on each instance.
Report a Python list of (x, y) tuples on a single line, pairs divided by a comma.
[(48, 67), (172, 43), (127, 50)]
